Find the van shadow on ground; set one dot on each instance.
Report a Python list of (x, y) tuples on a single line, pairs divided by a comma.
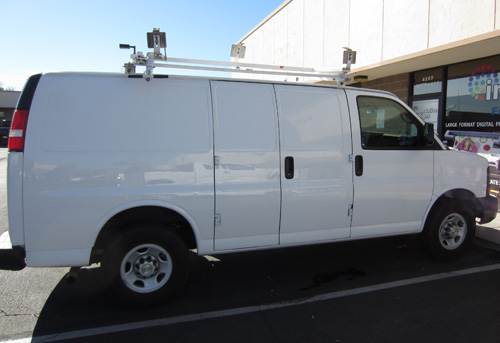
[(245, 279)]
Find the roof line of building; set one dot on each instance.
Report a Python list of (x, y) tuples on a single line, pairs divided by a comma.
[(266, 19), (471, 48)]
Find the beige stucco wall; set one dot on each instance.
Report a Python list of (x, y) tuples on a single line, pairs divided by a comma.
[(311, 33)]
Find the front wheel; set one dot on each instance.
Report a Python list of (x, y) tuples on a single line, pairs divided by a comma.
[(449, 231), (146, 265)]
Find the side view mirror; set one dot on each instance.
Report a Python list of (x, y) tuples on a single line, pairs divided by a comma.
[(428, 134)]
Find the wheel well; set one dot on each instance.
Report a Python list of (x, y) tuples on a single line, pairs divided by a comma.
[(128, 219), (462, 196)]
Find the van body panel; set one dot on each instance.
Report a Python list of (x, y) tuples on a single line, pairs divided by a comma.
[(455, 169), (393, 194), (247, 174), (100, 149), (15, 198), (204, 240), (58, 258), (315, 133)]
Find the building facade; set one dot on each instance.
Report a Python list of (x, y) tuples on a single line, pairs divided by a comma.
[(442, 57), (8, 101)]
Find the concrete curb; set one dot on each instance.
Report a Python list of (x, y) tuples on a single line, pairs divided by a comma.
[(488, 235)]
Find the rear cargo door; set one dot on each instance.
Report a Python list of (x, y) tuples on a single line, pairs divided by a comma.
[(317, 184), (247, 165)]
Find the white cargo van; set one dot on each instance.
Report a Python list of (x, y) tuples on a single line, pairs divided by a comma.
[(110, 168)]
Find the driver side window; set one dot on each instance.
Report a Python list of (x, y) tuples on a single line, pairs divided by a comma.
[(386, 125)]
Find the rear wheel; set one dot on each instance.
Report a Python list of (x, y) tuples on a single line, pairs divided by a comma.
[(146, 265), (449, 231)]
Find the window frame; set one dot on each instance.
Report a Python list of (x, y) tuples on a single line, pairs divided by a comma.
[(420, 143)]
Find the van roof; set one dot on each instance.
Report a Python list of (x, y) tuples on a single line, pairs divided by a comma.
[(209, 78)]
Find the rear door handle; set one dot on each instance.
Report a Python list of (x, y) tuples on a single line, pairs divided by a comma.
[(358, 165), (289, 167)]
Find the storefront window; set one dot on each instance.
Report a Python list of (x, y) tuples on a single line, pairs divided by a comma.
[(426, 100), (427, 88), (428, 110), (472, 118), (428, 81)]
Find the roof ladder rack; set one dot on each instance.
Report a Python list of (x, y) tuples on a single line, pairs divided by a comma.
[(157, 60)]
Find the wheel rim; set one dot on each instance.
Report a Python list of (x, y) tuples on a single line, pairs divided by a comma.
[(146, 268), (452, 231)]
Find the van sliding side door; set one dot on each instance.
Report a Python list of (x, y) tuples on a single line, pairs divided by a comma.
[(317, 174), (247, 165)]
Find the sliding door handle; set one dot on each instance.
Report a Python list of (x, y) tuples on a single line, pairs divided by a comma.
[(289, 167)]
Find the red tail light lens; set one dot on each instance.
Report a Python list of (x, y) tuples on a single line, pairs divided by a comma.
[(18, 130)]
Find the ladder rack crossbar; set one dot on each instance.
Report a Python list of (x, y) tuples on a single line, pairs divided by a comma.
[(240, 64), (330, 76)]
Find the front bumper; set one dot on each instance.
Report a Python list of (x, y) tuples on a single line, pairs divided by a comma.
[(489, 208)]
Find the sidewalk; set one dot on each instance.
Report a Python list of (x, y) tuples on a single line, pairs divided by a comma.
[(488, 235)]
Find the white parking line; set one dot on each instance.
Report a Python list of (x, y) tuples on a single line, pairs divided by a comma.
[(244, 310)]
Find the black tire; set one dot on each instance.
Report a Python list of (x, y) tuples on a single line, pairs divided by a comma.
[(449, 231), (144, 266)]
